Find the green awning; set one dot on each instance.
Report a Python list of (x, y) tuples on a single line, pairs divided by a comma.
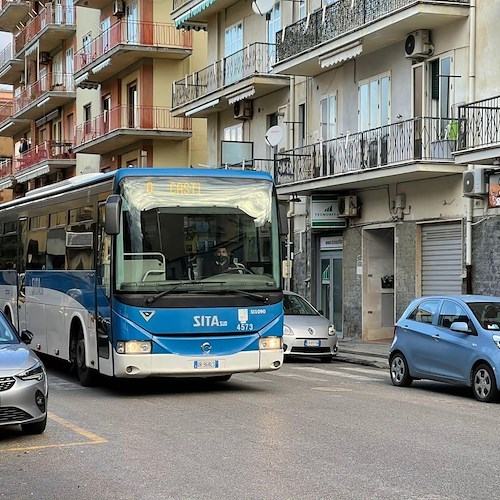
[(193, 11)]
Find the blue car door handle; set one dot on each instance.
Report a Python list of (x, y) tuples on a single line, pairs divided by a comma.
[(436, 337)]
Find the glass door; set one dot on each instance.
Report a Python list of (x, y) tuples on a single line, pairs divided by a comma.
[(330, 288)]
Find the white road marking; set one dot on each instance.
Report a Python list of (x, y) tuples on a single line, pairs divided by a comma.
[(323, 371)]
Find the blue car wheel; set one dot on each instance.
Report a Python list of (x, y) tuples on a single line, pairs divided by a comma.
[(484, 385), (400, 374)]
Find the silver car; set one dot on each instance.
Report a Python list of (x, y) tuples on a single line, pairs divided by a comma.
[(23, 381), (306, 332)]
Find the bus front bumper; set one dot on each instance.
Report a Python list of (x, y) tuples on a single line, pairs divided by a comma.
[(172, 365)]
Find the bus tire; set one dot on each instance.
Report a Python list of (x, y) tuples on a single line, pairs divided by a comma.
[(87, 376)]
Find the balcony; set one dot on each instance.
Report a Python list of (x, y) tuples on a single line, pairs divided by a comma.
[(246, 73), (479, 132), (406, 151), (40, 160), (124, 126), (10, 67), (197, 10), (53, 25), (11, 13), (326, 38), (10, 126), (125, 43), (49, 92)]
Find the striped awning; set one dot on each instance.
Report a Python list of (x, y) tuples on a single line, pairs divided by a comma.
[(339, 56), (32, 174), (193, 11)]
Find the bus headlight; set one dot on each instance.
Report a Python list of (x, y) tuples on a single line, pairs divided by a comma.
[(133, 347), (270, 343)]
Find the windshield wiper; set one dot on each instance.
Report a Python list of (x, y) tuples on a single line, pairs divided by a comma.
[(252, 295), (154, 298)]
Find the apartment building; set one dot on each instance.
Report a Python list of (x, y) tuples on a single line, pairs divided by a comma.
[(370, 100), (92, 89)]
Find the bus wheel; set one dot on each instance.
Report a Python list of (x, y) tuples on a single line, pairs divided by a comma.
[(86, 375)]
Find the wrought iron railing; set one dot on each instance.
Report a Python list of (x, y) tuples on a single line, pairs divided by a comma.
[(418, 139), (49, 150), (131, 117), (133, 33), (338, 19), (256, 58), (57, 14), (50, 82), (479, 124)]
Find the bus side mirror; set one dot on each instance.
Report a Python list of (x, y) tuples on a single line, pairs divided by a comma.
[(112, 214), (283, 221)]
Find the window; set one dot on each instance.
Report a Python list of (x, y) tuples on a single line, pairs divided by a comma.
[(57, 219), (233, 45), (79, 247), (450, 313), (273, 26), (87, 116), (302, 125), (234, 133), (87, 47), (302, 9), (374, 102), (81, 214), (425, 311), (328, 107), (441, 87), (105, 25)]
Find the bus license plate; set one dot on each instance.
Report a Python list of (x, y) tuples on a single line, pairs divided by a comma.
[(312, 343), (206, 363)]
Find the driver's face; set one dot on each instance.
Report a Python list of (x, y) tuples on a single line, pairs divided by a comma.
[(221, 252)]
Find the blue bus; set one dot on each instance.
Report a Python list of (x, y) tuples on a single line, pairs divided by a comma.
[(119, 273)]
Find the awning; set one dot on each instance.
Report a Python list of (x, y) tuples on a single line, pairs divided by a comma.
[(341, 55), (6, 183), (242, 94), (193, 11), (81, 78), (102, 65), (32, 49), (32, 174)]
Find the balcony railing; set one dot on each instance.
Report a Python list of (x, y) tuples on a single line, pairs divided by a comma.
[(418, 139), (132, 118), (6, 111), (133, 33), (480, 124), (337, 20), (59, 14), (256, 58), (50, 82), (49, 150), (6, 55)]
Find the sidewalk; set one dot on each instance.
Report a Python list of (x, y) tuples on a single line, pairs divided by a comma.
[(363, 353)]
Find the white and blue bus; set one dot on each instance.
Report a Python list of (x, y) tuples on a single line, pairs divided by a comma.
[(115, 272)]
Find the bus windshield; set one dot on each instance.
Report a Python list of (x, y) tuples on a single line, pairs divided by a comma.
[(191, 233)]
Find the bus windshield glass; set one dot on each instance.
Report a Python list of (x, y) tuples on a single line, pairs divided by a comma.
[(183, 234)]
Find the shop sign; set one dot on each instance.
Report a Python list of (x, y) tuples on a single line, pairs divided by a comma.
[(325, 212), (330, 243)]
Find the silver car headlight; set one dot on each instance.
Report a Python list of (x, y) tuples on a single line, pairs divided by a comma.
[(331, 330), (36, 372), (287, 330)]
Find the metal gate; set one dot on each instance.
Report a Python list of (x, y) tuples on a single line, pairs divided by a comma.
[(442, 259)]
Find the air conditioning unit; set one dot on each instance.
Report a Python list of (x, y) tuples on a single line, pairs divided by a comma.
[(118, 8), (474, 183), (243, 110), (418, 45), (348, 206), (45, 58)]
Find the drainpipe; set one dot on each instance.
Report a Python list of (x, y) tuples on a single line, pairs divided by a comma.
[(472, 97), (289, 215)]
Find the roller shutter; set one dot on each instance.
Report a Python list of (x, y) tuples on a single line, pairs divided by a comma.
[(442, 259)]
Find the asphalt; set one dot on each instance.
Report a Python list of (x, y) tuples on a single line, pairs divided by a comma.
[(363, 353)]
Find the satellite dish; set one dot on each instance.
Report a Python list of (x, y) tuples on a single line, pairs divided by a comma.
[(262, 7), (274, 136)]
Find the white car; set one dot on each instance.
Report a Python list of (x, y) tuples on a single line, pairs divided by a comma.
[(306, 332)]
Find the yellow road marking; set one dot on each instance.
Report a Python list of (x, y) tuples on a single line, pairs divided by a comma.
[(92, 438)]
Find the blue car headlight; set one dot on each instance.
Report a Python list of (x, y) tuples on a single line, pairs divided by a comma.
[(36, 372)]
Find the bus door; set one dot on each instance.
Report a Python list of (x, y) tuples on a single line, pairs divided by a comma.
[(21, 274), (103, 296)]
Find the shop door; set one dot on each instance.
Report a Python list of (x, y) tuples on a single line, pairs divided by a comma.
[(330, 293)]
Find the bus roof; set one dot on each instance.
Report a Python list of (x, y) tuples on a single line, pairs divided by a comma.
[(83, 180)]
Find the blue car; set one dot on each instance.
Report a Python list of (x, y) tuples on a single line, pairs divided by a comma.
[(453, 339)]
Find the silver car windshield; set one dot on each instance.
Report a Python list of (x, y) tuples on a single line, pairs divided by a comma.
[(7, 335), (295, 305), (197, 233)]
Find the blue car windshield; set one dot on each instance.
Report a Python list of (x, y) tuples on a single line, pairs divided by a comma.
[(487, 313)]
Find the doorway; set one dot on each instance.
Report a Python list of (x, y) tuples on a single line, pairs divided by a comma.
[(378, 284), (331, 288)]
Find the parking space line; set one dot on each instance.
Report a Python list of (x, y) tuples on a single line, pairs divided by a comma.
[(92, 438)]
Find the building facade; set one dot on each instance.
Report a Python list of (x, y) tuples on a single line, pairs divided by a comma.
[(369, 150), (92, 89)]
